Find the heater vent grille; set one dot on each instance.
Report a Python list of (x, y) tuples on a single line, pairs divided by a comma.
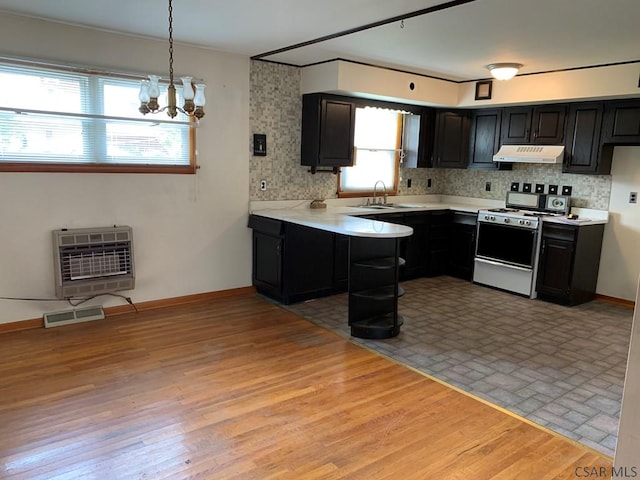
[(93, 261)]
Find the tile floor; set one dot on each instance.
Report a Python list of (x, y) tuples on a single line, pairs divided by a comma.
[(557, 366)]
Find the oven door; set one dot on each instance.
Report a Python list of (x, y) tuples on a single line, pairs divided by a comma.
[(508, 244)]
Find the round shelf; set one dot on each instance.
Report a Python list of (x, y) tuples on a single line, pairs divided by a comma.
[(377, 328), (380, 293)]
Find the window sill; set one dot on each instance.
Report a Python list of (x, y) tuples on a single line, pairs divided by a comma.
[(96, 168)]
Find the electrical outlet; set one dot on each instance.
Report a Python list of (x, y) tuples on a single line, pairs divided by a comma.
[(633, 197), (487, 186), (263, 185)]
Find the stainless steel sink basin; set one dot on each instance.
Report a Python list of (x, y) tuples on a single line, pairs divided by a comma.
[(377, 207)]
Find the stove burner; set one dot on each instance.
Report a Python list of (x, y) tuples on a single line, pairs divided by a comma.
[(535, 214)]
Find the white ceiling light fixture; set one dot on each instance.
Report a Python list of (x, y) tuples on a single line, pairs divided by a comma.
[(504, 71), (150, 91)]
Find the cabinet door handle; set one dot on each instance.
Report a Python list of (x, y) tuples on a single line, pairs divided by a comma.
[(535, 134)]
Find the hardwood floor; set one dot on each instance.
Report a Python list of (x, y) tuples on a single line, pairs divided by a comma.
[(241, 388)]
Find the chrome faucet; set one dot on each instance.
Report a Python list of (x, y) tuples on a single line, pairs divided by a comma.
[(384, 190)]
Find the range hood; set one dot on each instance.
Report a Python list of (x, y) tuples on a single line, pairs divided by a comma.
[(530, 154)]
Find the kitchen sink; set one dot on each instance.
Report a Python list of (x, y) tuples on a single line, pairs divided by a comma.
[(377, 207), (385, 206)]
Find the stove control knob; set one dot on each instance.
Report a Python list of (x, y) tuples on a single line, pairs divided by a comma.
[(506, 220), (521, 222), (528, 222), (486, 217), (492, 217)]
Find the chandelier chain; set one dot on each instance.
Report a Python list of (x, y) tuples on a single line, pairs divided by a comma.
[(170, 42)]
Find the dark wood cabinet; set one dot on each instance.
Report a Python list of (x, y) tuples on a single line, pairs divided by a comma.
[(418, 139), (413, 248), (292, 262), (341, 263), (569, 263), (543, 124), (484, 140), (584, 149), (462, 244), (451, 147), (437, 246), (622, 122), (268, 242), (308, 262), (328, 125)]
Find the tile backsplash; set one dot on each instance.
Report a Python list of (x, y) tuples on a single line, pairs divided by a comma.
[(276, 111)]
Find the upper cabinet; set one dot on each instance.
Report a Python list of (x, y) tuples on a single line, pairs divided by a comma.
[(452, 139), (542, 124), (484, 140), (328, 124), (622, 122), (584, 151), (418, 138)]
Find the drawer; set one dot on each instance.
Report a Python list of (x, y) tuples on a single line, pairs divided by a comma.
[(464, 218), (560, 232), (266, 225)]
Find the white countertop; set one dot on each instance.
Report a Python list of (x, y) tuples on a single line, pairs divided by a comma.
[(339, 216), (338, 220)]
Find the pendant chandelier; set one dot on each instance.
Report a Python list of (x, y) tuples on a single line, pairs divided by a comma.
[(194, 101)]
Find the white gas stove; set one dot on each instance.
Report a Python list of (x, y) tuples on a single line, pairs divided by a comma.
[(508, 241)]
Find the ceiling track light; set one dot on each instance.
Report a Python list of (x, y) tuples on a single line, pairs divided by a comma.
[(194, 101), (504, 71)]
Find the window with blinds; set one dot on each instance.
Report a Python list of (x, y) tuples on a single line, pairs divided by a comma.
[(60, 120), (378, 143)]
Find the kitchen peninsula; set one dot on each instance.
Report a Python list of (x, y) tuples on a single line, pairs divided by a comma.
[(306, 253)]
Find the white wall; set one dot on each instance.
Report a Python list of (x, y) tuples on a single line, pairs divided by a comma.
[(620, 260), (190, 230)]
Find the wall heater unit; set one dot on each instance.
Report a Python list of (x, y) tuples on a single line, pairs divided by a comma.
[(93, 261)]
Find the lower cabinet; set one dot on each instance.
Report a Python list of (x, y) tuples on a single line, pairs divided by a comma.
[(292, 262), (462, 245), (437, 242), (569, 263)]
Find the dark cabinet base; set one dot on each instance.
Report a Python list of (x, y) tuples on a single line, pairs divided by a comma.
[(569, 263)]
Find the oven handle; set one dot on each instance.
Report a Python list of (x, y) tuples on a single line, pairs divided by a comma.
[(502, 264)]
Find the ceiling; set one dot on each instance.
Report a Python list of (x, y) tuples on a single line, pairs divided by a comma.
[(455, 41)]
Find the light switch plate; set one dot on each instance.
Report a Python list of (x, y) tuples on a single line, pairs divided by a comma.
[(259, 145)]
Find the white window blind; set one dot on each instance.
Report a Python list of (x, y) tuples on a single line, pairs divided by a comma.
[(50, 116), (376, 141)]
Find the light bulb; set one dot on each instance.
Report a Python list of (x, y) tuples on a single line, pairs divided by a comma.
[(187, 89), (199, 99), (144, 91), (154, 88)]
